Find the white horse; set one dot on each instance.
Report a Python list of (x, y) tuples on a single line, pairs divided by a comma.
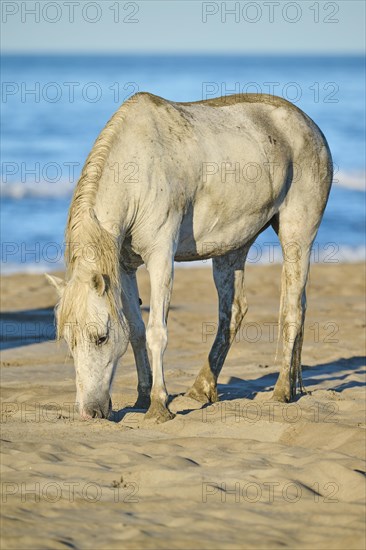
[(172, 181)]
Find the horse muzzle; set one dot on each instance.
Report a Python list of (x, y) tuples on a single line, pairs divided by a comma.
[(96, 409)]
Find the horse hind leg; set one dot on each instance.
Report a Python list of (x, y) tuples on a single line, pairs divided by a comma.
[(296, 247), (228, 274), (297, 352), (297, 224)]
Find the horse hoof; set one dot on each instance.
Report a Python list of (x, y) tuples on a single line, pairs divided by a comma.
[(197, 396), (280, 397), (203, 397), (158, 413)]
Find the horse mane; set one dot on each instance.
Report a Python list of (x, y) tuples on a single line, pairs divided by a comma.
[(82, 227), (89, 246)]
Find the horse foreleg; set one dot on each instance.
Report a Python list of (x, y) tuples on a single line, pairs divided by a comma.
[(160, 267), (228, 274), (131, 308)]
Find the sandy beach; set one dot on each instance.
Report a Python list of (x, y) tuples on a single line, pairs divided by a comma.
[(244, 473)]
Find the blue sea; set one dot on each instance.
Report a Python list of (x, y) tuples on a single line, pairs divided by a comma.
[(53, 108)]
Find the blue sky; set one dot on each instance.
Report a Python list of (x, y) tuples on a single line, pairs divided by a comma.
[(189, 26)]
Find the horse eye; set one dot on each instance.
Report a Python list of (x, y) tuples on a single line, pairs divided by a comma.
[(102, 340)]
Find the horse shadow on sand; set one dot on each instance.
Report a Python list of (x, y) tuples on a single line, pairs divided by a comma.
[(335, 372), (22, 328)]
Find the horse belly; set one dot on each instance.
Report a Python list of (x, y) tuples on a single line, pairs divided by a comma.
[(210, 230)]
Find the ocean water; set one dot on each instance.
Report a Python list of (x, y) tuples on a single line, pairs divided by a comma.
[(53, 108)]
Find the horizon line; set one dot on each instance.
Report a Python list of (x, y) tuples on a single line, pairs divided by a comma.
[(27, 53)]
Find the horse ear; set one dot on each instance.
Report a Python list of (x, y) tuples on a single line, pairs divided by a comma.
[(99, 283), (58, 283)]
